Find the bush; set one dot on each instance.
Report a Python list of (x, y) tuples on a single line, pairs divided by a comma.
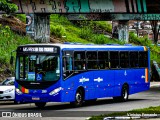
[(57, 30), (59, 20), (103, 25), (86, 33), (99, 39), (139, 41), (21, 17)]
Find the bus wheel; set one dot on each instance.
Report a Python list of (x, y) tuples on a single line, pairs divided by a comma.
[(40, 104), (78, 99), (124, 93), (16, 102)]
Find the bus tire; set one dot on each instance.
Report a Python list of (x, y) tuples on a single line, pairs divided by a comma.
[(40, 104), (124, 93), (79, 98)]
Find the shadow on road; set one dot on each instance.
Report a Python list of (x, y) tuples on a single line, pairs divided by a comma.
[(66, 106)]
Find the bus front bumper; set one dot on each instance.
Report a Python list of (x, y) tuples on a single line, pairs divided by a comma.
[(29, 98)]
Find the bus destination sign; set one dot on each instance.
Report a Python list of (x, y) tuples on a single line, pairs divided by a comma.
[(39, 49)]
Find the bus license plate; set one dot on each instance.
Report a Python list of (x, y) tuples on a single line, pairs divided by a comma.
[(35, 98)]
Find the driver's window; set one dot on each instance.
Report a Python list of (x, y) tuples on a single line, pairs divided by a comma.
[(67, 64)]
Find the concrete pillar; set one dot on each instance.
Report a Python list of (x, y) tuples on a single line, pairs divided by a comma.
[(123, 30), (115, 29), (38, 27)]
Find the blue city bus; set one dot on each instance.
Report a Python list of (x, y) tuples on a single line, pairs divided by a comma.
[(77, 73)]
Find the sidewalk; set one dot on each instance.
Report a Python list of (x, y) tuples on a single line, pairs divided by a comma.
[(155, 84)]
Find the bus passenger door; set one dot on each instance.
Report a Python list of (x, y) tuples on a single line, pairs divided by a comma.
[(104, 83)]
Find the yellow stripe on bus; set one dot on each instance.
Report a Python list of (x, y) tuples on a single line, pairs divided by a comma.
[(26, 91), (145, 48), (146, 75)]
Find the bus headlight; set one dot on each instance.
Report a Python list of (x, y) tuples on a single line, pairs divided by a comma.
[(55, 91), (18, 91)]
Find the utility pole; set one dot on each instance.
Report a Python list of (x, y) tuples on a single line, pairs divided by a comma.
[(137, 28)]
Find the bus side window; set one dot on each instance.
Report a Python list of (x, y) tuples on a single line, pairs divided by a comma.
[(79, 60), (92, 60), (143, 57), (114, 59), (134, 59), (124, 60), (103, 60)]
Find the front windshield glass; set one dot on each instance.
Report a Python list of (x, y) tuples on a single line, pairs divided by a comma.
[(38, 68)]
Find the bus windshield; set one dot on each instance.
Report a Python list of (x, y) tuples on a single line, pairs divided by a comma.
[(37, 68)]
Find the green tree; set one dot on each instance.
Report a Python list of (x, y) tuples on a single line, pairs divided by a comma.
[(8, 7)]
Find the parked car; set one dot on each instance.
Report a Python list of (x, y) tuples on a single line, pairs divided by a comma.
[(7, 89)]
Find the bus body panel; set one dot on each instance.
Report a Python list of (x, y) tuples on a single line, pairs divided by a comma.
[(104, 83), (76, 81), (135, 78), (94, 84)]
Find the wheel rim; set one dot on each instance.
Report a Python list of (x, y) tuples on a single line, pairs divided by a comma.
[(78, 97), (125, 93)]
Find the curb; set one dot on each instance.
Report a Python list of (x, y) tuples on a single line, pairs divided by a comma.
[(129, 118), (155, 84)]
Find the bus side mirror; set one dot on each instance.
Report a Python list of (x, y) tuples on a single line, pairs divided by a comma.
[(11, 60), (12, 57)]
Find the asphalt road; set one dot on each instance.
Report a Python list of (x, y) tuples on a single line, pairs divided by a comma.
[(101, 106)]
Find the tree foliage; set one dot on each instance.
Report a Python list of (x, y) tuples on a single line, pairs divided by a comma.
[(8, 7)]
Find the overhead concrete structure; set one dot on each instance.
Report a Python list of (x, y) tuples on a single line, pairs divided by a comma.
[(120, 30), (39, 10), (110, 16), (123, 31), (88, 6), (38, 27)]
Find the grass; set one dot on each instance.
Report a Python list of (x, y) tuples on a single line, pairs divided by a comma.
[(9, 42), (139, 112), (81, 33)]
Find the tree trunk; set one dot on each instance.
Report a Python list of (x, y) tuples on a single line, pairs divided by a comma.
[(155, 30)]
